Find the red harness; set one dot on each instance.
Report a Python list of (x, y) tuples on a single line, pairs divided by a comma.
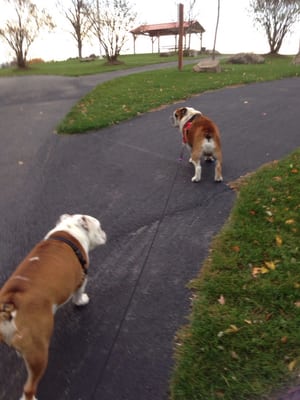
[(187, 126), (185, 131)]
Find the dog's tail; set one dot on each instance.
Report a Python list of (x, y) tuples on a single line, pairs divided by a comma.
[(208, 135)]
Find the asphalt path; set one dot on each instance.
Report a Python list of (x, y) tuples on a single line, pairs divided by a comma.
[(159, 224)]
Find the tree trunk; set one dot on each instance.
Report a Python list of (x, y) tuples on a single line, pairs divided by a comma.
[(79, 49), (216, 31), (21, 62)]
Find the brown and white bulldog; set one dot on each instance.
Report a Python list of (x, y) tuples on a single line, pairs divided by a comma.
[(52, 273), (202, 137)]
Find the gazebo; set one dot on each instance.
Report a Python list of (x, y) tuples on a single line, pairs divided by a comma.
[(155, 31)]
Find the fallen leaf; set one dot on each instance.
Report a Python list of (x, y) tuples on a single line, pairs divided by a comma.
[(290, 221), (297, 304), (234, 355), (294, 171), (264, 270), (232, 329), (292, 365), (270, 264), (221, 300), (248, 321), (236, 248), (278, 241), (256, 271), (268, 316), (284, 339)]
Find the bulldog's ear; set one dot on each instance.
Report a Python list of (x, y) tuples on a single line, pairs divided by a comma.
[(183, 111), (62, 217), (84, 223)]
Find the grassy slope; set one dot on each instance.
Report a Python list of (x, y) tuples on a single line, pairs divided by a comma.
[(243, 339), (122, 98), (74, 67)]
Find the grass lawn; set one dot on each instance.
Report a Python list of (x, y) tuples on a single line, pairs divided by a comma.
[(126, 97), (74, 67), (243, 339)]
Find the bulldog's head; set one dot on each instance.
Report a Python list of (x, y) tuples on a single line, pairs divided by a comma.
[(84, 228), (182, 115)]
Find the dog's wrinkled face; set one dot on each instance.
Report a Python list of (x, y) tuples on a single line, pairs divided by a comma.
[(90, 226)]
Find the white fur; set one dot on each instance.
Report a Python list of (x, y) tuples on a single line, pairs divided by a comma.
[(8, 329), (80, 298), (198, 170), (208, 146), (86, 229)]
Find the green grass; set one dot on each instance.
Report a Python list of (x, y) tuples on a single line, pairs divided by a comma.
[(243, 338), (126, 97), (74, 67)]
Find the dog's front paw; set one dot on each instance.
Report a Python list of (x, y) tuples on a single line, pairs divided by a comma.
[(81, 300), (218, 179), (196, 179)]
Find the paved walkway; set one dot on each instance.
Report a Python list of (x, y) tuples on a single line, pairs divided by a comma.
[(159, 224)]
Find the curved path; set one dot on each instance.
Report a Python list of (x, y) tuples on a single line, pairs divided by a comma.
[(159, 224)]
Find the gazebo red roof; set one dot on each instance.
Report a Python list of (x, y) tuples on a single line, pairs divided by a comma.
[(169, 28)]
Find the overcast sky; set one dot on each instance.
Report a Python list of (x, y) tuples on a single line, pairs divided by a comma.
[(236, 30)]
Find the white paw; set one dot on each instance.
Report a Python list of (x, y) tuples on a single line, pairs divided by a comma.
[(196, 179), (190, 160), (23, 398), (219, 179), (81, 300)]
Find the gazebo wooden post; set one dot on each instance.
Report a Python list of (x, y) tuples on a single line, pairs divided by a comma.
[(134, 40)]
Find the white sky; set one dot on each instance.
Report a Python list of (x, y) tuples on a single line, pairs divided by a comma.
[(236, 31)]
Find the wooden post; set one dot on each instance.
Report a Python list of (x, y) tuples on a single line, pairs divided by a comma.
[(180, 39)]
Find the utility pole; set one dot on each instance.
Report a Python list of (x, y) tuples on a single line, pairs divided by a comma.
[(180, 39)]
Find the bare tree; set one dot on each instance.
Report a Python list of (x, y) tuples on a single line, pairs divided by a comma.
[(191, 16), (111, 21), (77, 15), (216, 32), (23, 27), (276, 17)]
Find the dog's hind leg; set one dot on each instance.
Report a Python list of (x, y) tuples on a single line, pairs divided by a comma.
[(195, 160), (36, 362), (80, 298), (218, 166)]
